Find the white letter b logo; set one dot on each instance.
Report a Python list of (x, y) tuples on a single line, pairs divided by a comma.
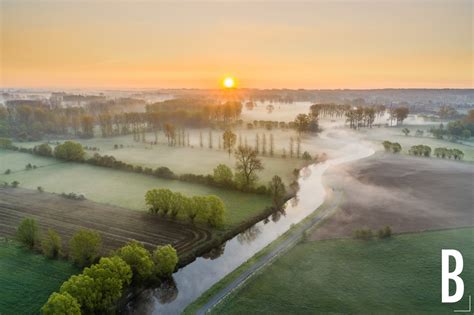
[(446, 276)]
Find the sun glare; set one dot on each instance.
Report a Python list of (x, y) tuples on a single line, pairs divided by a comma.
[(229, 82)]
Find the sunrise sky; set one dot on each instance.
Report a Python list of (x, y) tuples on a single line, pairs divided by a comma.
[(315, 44)]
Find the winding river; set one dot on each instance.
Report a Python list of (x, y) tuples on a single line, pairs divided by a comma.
[(194, 279)]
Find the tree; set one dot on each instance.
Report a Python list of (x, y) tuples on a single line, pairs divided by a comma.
[(271, 145), (51, 244), (406, 131), (298, 147), (170, 133), (277, 189), (302, 122), (69, 151), (210, 139), (223, 175), (306, 156), (291, 147), (85, 246), (229, 140), (138, 258), (87, 124), (198, 207), (216, 211), (61, 303), (83, 290), (111, 275), (27, 232), (159, 200), (247, 165), (400, 114), (165, 259)]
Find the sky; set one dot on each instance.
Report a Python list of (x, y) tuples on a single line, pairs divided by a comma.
[(263, 44)]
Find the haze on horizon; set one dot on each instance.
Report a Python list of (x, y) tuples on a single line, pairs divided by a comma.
[(319, 44)]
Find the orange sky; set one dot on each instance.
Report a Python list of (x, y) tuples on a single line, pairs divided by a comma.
[(316, 44)]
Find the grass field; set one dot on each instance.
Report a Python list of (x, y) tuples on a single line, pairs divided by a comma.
[(400, 275), (119, 188), (27, 279), (183, 159)]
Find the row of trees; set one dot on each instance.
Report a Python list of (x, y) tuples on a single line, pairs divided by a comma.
[(424, 150), (98, 288), (210, 209)]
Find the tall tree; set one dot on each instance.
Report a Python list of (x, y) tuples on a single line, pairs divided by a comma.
[(229, 140), (247, 165)]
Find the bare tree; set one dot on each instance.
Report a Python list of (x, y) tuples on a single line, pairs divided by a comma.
[(247, 165)]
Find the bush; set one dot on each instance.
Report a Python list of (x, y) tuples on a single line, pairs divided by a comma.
[(165, 259), (15, 184), (43, 149), (51, 244), (139, 260), (363, 234), (69, 151), (84, 247), (40, 189), (27, 232), (306, 156), (223, 176), (386, 232), (164, 172), (61, 303)]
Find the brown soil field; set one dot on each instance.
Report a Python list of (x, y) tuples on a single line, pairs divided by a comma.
[(116, 225), (409, 194)]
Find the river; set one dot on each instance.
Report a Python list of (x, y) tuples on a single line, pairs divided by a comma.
[(194, 279)]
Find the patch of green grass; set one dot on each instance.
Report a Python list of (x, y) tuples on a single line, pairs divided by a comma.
[(126, 189), (399, 275), (27, 279)]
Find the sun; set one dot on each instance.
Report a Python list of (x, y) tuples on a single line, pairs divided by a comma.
[(229, 82)]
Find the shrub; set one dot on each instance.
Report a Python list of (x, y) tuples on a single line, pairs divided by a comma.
[(15, 184), (8, 171), (69, 151), (40, 189), (139, 260), (84, 247), (43, 149), (51, 244), (27, 232), (223, 175), (363, 234), (306, 156), (386, 232), (61, 303), (165, 259)]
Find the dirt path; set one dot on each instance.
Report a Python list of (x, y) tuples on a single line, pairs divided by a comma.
[(116, 225)]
